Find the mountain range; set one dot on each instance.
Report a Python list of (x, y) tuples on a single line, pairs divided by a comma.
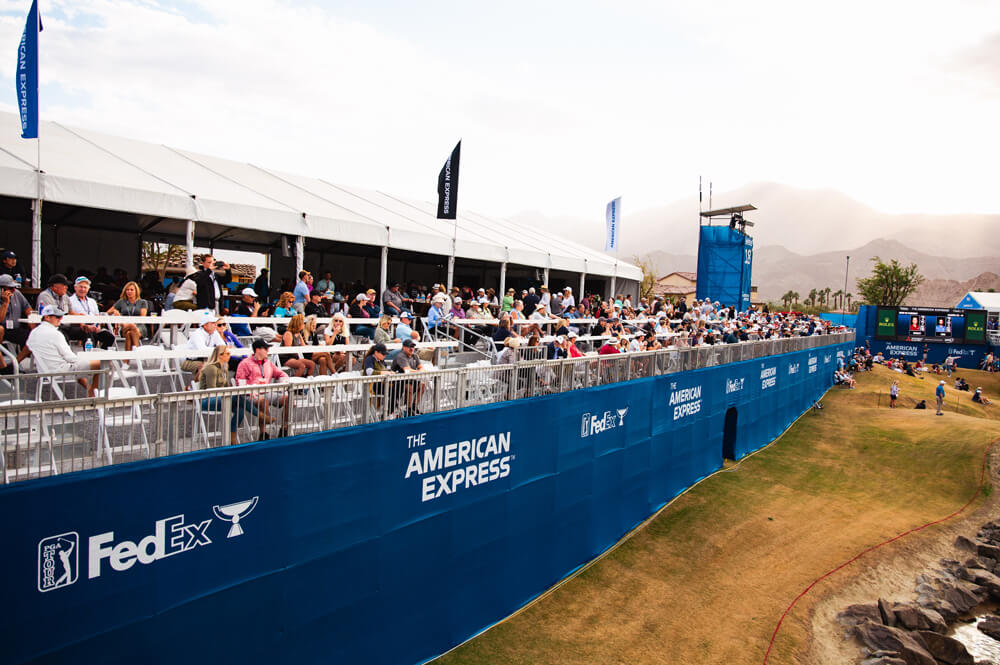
[(794, 231)]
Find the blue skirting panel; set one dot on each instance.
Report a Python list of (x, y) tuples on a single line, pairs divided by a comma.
[(387, 543)]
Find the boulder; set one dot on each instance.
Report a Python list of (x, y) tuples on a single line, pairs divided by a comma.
[(884, 660), (946, 649), (944, 608), (974, 562), (913, 617), (910, 646), (990, 626), (923, 588), (966, 544), (885, 612), (855, 614), (960, 598), (986, 579), (992, 551)]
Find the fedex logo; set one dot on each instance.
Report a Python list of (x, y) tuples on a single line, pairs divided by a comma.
[(608, 420), (170, 536)]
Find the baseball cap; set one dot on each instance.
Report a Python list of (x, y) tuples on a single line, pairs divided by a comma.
[(207, 317), (315, 292), (405, 315), (58, 278), (409, 342), (572, 334), (249, 292), (380, 348), (52, 310), (7, 281), (82, 278), (260, 344), (8, 255), (361, 297), (457, 301)]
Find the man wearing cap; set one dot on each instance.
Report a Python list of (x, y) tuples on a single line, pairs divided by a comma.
[(246, 306), (374, 363), (405, 362), (206, 337), (55, 294), (209, 292), (13, 307), (939, 394), (557, 348), (51, 351), (81, 303), (315, 305), (256, 369), (8, 266), (393, 301)]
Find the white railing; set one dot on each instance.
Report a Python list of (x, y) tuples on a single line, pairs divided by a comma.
[(41, 438)]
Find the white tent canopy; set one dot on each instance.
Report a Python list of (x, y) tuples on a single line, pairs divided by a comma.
[(98, 171)]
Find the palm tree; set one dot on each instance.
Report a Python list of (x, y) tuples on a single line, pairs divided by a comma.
[(849, 296), (795, 297), (826, 295), (787, 298), (839, 293), (811, 298)]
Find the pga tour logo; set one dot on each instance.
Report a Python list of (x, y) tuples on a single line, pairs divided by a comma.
[(591, 424), (59, 556)]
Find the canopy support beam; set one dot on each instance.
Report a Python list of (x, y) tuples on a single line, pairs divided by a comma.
[(300, 253), (189, 248)]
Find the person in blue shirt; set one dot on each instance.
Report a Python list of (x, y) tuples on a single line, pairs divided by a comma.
[(435, 315), (939, 393), (302, 290)]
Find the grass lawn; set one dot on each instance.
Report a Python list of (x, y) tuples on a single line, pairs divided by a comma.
[(707, 580)]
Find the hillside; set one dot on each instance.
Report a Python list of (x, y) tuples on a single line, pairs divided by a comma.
[(947, 292), (805, 221)]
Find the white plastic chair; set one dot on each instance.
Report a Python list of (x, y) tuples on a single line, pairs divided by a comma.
[(17, 432)]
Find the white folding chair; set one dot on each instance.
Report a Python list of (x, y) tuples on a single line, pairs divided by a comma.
[(124, 418), (18, 434)]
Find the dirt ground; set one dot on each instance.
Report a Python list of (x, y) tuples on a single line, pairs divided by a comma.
[(707, 580)]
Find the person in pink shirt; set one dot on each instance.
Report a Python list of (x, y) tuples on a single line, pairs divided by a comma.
[(256, 369)]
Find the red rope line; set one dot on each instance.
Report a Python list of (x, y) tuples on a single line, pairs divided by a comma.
[(982, 480)]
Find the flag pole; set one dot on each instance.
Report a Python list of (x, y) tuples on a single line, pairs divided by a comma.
[(36, 212)]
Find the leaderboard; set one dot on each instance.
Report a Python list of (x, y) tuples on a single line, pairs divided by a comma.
[(930, 324)]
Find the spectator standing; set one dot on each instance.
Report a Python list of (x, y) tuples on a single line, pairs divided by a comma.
[(530, 302), (302, 290), (209, 291), (893, 394), (508, 301), (939, 394), (262, 288)]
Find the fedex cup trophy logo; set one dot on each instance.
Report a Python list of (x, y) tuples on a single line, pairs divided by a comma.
[(234, 512)]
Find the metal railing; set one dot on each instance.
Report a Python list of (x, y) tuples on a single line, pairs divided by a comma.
[(41, 438)]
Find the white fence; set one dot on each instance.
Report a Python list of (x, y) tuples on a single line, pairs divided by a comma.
[(41, 438)]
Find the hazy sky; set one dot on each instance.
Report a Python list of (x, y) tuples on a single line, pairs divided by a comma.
[(561, 105)]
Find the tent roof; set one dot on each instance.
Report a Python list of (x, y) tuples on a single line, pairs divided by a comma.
[(986, 300), (93, 170)]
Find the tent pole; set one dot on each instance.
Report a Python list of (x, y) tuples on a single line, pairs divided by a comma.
[(545, 278), (384, 274), (189, 248), (36, 243), (451, 265), (583, 279), (300, 251), (503, 281)]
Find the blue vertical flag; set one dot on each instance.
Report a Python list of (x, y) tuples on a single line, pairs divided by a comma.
[(26, 77), (613, 221)]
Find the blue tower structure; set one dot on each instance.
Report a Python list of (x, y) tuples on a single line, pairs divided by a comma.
[(725, 257)]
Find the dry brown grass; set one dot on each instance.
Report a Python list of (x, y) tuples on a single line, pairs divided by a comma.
[(707, 580)]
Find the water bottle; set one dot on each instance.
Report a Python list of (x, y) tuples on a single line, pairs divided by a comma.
[(88, 345), (20, 280)]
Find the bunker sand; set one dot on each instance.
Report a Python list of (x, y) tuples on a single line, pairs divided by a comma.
[(708, 578)]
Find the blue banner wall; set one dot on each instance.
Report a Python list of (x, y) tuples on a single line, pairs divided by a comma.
[(387, 543), (725, 260)]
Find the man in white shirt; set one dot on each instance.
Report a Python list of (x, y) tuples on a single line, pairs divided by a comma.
[(51, 351), (81, 303), (204, 338)]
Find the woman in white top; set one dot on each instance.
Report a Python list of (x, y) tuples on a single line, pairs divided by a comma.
[(184, 299)]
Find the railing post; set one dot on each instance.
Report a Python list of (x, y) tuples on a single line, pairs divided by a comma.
[(227, 412), (328, 407)]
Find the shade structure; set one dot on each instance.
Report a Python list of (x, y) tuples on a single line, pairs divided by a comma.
[(104, 172)]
